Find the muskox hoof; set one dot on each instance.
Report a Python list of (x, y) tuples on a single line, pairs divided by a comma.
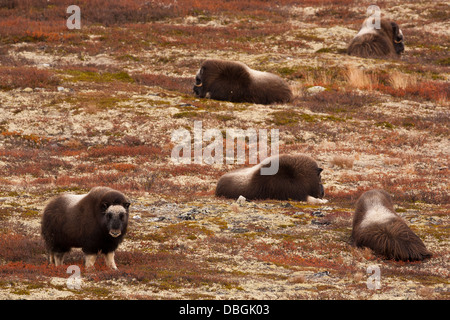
[(109, 258), (90, 261), (56, 258)]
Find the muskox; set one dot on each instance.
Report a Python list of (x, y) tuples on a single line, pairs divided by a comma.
[(377, 226), (372, 42), (236, 82), (295, 177), (96, 222)]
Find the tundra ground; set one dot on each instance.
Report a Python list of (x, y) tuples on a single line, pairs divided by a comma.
[(97, 106)]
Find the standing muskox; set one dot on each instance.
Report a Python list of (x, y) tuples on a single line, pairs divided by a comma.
[(236, 82), (370, 42), (297, 177), (378, 227), (95, 222)]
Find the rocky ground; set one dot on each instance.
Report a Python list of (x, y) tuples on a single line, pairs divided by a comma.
[(97, 106)]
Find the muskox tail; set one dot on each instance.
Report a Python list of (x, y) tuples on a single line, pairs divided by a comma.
[(394, 240)]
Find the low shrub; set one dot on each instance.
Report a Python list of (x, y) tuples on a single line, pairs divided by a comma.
[(23, 77)]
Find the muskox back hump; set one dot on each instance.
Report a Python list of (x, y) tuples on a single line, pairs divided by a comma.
[(296, 178), (377, 226), (268, 88), (236, 82), (372, 42)]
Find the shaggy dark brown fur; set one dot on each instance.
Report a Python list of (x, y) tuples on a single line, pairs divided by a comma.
[(378, 227), (95, 222), (297, 178), (236, 82), (383, 43)]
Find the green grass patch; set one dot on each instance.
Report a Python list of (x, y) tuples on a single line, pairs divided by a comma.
[(98, 77)]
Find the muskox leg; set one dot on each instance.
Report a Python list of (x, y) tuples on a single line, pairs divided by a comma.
[(109, 258), (57, 258), (51, 258), (313, 200), (90, 260)]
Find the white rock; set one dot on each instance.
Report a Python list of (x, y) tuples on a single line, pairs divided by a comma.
[(241, 200), (315, 89)]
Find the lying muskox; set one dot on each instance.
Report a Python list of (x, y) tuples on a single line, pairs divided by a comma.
[(371, 42), (377, 226), (295, 177), (95, 222), (236, 82)]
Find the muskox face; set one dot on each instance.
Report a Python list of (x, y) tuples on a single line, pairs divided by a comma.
[(321, 190), (199, 89), (398, 38), (114, 209)]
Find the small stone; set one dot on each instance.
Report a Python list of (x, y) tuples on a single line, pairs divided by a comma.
[(157, 219), (315, 89), (238, 230), (28, 89), (318, 214), (241, 200), (321, 274), (186, 216), (321, 223)]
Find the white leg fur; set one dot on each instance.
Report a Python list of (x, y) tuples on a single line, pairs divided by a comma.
[(313, 200), (58, 258), (109, 258), (90, 260)]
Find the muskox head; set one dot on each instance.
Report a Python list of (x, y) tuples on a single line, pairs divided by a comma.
[(321, 190), (214, 78), (114, 213), (397, 38), (377, 38), (199, 88)]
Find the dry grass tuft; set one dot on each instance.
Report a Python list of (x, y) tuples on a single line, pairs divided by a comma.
[(399, 80), (343, 161), (358, 78)]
